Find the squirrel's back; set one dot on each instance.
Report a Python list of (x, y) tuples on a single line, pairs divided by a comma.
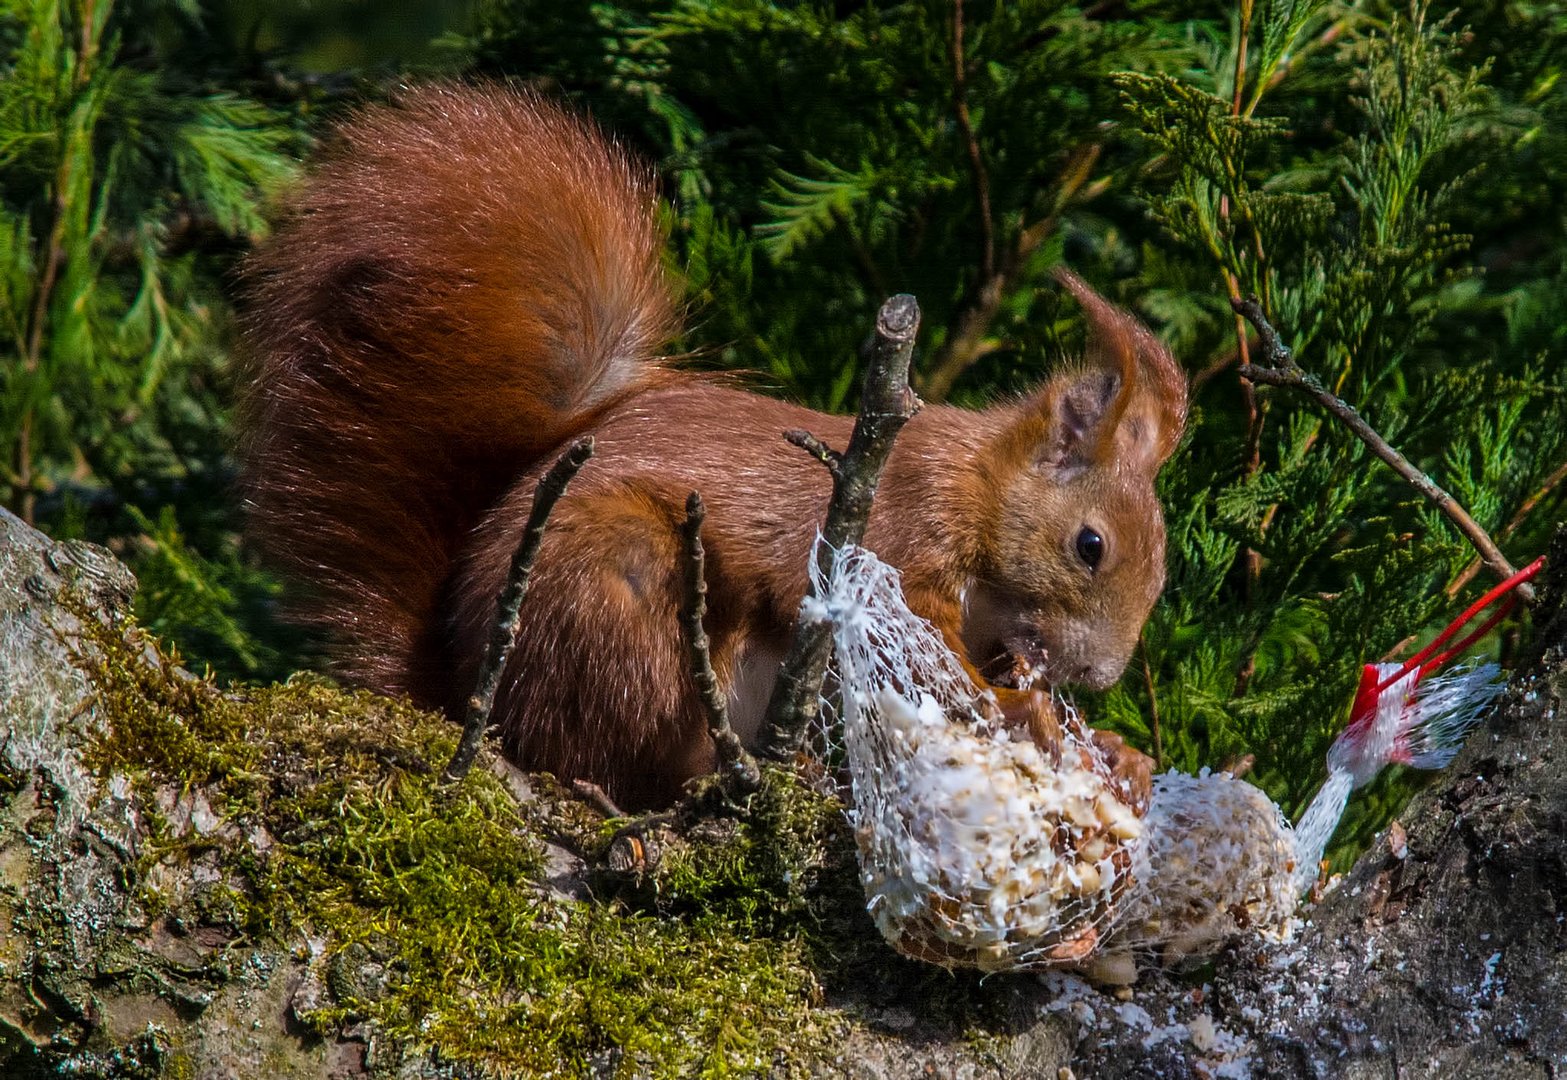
[(469, 276)]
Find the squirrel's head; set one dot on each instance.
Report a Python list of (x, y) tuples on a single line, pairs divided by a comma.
[(1077, 559)]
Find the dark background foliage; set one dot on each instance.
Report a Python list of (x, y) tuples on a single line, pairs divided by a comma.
[(1385, 177)]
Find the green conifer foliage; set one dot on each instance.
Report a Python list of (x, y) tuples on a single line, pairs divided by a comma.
[(126, 186), (1300, 557), (1386, 178), (1379, 175), (819, 163)]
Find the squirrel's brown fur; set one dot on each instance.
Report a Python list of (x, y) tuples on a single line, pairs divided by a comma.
[(466, 279), (470, 278)]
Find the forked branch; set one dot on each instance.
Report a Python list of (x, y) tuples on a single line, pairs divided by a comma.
[(1282, 370), (886, 405)]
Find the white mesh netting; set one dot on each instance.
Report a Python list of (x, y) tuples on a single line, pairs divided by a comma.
[(978, 849)]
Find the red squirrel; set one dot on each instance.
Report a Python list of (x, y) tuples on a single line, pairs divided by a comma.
[(470, 278)]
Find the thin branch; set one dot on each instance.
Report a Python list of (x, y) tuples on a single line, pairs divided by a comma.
[(886, 405), (597, 797), (1274, 353), (738, 775), (54, 256), (1153, 704), (969, 338), (28, 498), (1240, 55), (815, 447), (508, 610), (1550, 484), (987, 225), (1283, 371), (1251, 460)]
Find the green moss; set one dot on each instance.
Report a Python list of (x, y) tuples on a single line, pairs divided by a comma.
[(334, 824), (787, 870), (763, 870)]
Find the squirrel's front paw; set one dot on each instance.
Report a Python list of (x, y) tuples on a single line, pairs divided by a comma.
[(1032, 711), (1131, 768)]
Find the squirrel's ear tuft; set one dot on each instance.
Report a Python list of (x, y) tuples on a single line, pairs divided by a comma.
[(1124, 406)]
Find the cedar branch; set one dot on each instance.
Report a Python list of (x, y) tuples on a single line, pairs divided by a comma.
[(1549, 485)]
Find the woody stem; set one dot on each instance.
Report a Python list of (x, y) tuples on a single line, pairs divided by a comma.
[(1283, 371), (737, 772), (508, 608), (886, 405)]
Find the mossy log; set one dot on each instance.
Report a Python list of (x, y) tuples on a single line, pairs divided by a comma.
[(200, 882)]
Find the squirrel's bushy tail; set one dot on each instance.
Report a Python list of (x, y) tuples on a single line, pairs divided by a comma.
[(467, 277)]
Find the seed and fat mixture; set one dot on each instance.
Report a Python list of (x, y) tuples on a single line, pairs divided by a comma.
[(978, 849)]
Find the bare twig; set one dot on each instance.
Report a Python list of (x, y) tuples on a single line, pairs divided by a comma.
[(886, 405), (508, 612), (597, 797), (1283, 371), (738, 775), (1549, 485), (987, 227), (1153, 705), (969, 338), (815, 447)]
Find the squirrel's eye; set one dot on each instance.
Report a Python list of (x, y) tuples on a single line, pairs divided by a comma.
[(1090, 548)]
